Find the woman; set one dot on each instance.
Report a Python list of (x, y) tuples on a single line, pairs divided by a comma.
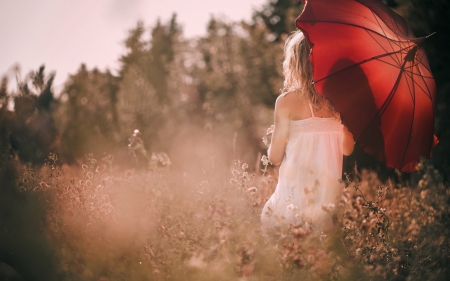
[(309, 142)]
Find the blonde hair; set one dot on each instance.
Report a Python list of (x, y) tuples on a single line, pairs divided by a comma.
[(298, 74)]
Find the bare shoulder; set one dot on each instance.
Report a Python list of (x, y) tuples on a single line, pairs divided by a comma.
[(282, 108), (282, 102), (287, 100), (294, 105)]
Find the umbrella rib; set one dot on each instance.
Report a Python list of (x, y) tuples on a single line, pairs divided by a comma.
[(427, 68), (382, 47), (389, 41), (387, 101), (412, 121), (388, 63), (413, 90), (427, 92), (392, 21), (421, 75), (391, 94), (359, 63), (417, 84)]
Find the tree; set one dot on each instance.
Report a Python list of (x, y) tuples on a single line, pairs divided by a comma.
[(33, 131), (279, 16), (89, 117)]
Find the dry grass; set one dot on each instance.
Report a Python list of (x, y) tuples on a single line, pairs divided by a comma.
[(158, 224)]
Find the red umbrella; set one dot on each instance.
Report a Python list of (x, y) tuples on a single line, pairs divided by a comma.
[(369, 64)]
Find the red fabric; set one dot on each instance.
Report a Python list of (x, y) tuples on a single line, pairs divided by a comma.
[(367, 62)]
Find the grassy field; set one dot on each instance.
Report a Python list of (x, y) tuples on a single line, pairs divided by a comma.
[(100, 222)]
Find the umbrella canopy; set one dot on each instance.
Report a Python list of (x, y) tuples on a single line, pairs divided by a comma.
[(366, 60)]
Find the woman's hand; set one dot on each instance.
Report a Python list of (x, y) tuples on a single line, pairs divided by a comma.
[(348, 142)]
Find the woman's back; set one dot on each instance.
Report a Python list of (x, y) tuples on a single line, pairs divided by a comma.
[(300, 108), (310, 169)]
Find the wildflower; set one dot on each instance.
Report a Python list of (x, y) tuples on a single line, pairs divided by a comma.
[(162, 158), (423, 194), (135, 142), (419, 166), (235, 173), (233, 181), (265, 160), (264, 180), (108, 159), (44, 185), (252, 189), (265, 140), (244, 166), (53, 157), (100, 168), (380, 192)]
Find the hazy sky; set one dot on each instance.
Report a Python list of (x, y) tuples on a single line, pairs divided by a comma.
[(62, 34)]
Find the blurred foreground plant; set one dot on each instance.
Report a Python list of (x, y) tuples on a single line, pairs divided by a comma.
[(397, 231), (159, 224)]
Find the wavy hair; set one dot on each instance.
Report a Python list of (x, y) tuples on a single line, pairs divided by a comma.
[(298, 74)]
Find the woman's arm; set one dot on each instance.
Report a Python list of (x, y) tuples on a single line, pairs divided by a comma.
[(348, 142), (280, 132)]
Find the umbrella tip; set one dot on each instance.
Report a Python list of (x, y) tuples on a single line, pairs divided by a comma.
[(431, 34)]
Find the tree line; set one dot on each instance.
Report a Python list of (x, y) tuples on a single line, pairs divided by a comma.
[(223, 84)]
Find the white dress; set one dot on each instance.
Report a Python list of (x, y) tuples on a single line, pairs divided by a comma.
[(309, 174)]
